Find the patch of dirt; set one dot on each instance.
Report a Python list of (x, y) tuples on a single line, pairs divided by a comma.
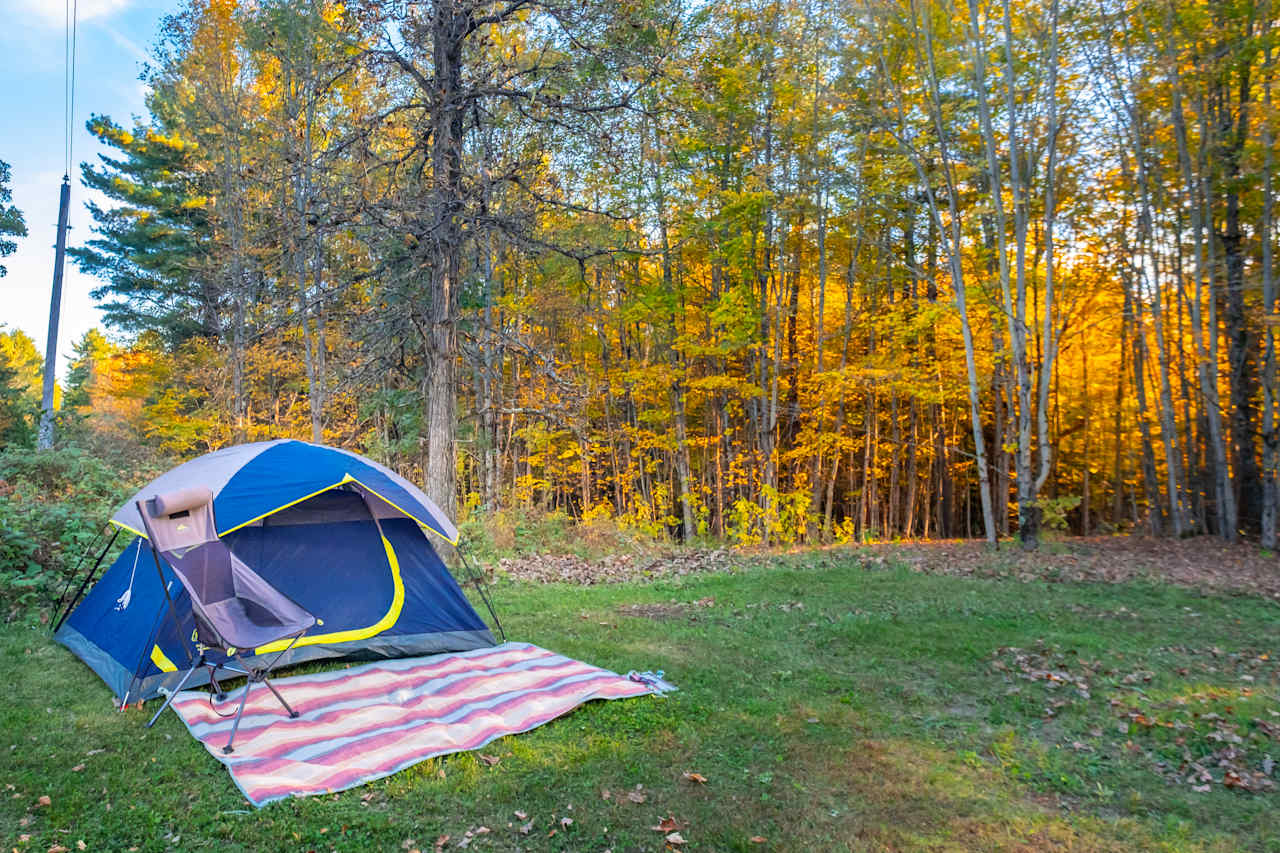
[(614, 568), (1202, 562)]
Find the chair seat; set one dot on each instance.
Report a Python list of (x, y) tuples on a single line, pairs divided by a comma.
[(245, 624), (234, 607)]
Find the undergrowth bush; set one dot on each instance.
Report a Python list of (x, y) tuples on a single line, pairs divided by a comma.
[(53, 505), (524, 531)]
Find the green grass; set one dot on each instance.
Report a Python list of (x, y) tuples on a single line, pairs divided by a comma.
[(891, 710)]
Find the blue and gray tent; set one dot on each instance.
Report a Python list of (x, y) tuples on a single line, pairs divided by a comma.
[(344, 537)]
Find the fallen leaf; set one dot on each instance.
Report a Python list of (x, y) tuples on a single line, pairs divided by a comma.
[(521, 815), (483, 830), (441, 842), (44, 801), (635, 796), (675, 838), (566, 822), (526, 828), (695, 777), (604, 795), (57, 848), (80, 845), (667, 824), (489, 760), (758, 839)]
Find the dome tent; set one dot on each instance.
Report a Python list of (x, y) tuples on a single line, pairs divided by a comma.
[(339, 534)]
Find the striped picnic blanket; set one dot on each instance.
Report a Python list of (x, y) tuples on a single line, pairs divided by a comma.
[(370, 721)]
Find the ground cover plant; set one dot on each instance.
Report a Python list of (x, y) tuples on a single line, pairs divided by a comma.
[(838, 699)]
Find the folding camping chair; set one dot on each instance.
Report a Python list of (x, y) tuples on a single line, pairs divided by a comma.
[(234, 608)]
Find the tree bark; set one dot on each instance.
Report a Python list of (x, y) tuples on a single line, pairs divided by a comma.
[(1270, 387), (450, 23)]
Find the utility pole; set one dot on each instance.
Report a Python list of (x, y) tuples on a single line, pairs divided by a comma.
[(44, 438)]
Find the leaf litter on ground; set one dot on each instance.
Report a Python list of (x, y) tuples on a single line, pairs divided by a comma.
[(1197, 737)]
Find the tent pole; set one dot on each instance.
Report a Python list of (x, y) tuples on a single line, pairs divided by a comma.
[(152, 636), (173, 611), (155, 628), (60, 614), (478, 580)]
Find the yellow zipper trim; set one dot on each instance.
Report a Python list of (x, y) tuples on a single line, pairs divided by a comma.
[(126, 527), (353, 634), (346, 478), (409, 515)]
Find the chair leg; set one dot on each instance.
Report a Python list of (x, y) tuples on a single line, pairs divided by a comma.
[(292, 713), (227, 749), (169, 699)]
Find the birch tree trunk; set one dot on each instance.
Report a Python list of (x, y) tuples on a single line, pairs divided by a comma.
[(1206, 369), (1270, 387), (1048, 335), (950, 236)]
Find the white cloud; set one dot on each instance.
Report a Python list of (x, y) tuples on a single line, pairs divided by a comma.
[(126, 43), (53, 13)]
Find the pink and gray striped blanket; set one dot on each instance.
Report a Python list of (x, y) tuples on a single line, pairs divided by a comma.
[(372, 720)]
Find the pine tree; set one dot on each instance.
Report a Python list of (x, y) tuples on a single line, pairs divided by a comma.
[(151, 247), (11, 221)]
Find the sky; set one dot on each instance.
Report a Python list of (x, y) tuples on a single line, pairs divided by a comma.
[(112, 41)]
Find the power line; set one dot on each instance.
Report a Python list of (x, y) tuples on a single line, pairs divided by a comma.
[(69, 80)]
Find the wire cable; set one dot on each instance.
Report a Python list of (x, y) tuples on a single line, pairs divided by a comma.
[(69, 82)]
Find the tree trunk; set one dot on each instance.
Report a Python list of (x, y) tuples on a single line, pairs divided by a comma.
[(451, 22), (1048, 335), (1206, 368), (1270, 387)]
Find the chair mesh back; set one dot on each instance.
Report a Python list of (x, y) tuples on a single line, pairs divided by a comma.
[(232, 603), (206, 571), (181, 526)]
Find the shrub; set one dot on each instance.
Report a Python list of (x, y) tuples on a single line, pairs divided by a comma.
[(53, 506), (525, 531)]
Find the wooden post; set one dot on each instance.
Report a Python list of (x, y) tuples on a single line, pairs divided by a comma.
[(44, 439)]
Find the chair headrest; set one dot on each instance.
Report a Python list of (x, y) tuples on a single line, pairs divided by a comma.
[(171, 503)]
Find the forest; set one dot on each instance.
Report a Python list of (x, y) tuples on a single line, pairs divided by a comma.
[(770, 271)]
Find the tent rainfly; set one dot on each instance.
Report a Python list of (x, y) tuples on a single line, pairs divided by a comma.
[(343, 536)]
